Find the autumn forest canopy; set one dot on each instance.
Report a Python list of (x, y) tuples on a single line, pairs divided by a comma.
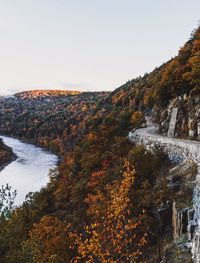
[(103, 202)]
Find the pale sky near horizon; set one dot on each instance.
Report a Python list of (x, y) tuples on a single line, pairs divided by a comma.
[(88, 44)]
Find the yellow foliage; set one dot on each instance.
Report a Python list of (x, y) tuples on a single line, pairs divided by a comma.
[(114, 237)]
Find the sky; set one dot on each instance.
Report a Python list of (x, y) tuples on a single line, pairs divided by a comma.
[(88, 44)]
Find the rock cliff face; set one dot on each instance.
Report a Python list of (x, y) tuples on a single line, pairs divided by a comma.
[(185, 196), (173, 245), (181, 118)]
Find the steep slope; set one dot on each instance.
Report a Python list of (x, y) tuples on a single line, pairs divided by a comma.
[(109, 200), (49, 118), (174, 84)]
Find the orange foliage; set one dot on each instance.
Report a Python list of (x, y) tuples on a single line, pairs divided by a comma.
[(48, 241), (94, 179), (91, 137), (137, 118), (115, 237)]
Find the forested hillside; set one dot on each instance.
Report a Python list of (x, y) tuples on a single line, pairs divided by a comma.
[(108, 201), (41, 94), (176, 83), (177, 77), (53, 119), (6, 155)]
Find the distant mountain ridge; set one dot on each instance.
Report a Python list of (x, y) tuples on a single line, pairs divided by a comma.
[(45, 93)]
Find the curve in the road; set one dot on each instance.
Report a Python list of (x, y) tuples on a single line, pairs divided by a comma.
[(178, 150)]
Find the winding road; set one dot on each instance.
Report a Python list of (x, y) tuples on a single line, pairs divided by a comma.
[(178, 150)]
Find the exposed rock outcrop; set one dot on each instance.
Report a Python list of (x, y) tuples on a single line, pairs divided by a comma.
[(186, 196), (181, 118), (172, 123)]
